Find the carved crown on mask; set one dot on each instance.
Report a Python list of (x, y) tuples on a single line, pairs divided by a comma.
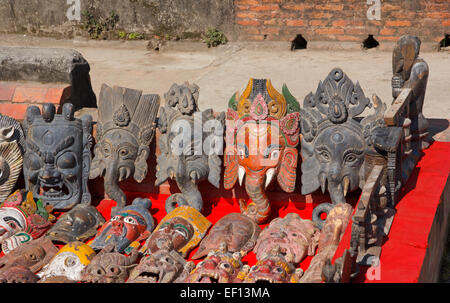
[(337, 102), (127, 109), (261, 101)]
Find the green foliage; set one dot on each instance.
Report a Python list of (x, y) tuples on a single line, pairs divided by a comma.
[(97, 26), (130, 36), (135, 36), (213, 37), (121, 34)]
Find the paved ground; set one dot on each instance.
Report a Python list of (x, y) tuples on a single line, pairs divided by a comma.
[(222, 71)]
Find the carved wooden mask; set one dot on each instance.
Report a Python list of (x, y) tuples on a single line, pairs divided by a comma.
[(334, 140), (58, 156), (12, 148), (262, 134), (188, 144), (78, 224), (125, 129)]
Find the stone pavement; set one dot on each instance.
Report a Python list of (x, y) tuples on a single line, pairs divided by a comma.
[(222, 71)]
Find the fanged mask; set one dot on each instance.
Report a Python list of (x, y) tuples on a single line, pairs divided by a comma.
[(109, 267), (274, 267), (218, 267), (57, 158), (162, 266)]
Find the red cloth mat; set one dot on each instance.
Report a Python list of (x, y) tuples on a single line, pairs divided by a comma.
[(404, 250)]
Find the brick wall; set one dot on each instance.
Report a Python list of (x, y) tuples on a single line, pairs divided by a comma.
[(15, 97), (341, 20)]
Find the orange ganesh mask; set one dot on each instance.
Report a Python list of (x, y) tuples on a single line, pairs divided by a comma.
[(261, 143)]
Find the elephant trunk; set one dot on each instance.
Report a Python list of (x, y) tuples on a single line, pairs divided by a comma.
[(336, 193), (190, 195), (259, 208), (112, 188)]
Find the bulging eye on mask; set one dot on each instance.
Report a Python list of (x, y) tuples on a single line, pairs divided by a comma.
[(57, 157)]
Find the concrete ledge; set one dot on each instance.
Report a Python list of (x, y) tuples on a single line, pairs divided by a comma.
[(52, 65)]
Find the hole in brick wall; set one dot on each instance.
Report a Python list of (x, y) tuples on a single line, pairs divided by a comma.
[(445, 42), (265, 37), (370, 42), (298, 43)]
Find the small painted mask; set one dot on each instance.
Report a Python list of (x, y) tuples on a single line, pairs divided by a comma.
[(57, 158), (69, 262), (273, 268), (79, 224), (160, 267), (180, 230), (33, 255), (238, 231), (17, 274), (109, 267), (293, 235), (218, 267), (20, 212), (15, 241), (133, 223)]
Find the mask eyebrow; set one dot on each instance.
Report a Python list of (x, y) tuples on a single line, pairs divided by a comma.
[(245, 148), (182, 227), (139, 219), (7, 218), (270, 148), (68, 142), (322, 147), (353, 150), (32, 146)]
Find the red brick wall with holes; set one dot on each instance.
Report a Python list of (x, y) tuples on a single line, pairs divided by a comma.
[(342, 20), (15, 97)]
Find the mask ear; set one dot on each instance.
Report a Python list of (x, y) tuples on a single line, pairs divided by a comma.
[(310, 170), (231, 167), (288, 169), (97, 168), (140, 164)]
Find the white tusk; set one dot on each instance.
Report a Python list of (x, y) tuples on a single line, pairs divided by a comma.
[(323, 183), (269, 176), (346, 184), (241, 174)]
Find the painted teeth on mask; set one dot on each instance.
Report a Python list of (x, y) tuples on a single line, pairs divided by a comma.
[(148, 275), (210, 277), (263, 280)]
